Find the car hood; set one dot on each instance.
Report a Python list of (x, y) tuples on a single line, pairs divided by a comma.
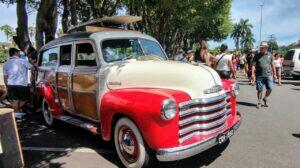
[(192, 79)]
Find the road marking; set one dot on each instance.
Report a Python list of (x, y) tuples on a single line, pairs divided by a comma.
[(76, 150)]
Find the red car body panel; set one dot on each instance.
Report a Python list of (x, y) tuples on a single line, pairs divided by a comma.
[(143, 106), (45, 90)]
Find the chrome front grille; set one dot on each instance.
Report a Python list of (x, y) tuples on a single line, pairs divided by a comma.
[(203, 116)]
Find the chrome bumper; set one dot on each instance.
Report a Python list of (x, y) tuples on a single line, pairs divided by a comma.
[(178, 153)]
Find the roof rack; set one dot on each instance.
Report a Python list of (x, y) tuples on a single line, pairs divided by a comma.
[(104, 24)]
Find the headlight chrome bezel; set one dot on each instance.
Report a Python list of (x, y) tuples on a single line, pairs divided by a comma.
[(169, 109), (235, 89)]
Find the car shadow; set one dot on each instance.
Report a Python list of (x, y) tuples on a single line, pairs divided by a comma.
[(296, 135), (246, 104), (203, 159), (296, 89)]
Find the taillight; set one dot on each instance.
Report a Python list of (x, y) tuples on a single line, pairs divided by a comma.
[(292, 64)]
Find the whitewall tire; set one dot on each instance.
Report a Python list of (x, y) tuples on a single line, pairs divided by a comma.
[(48, 117), (130, 145)]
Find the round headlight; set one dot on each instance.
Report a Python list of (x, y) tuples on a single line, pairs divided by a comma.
[(168, 109)]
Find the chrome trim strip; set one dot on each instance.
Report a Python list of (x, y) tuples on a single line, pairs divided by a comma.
[(202, 126), (198, 133), (202, 101), (182, 152), (202, 109), (202, 118)]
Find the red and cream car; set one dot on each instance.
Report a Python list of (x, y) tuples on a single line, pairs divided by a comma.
[(120, 84)]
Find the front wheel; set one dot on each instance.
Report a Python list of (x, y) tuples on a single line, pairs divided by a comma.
[(130, 145), (48, 117)]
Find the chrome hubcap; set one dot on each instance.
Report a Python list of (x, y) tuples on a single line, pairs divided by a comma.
[(128, 144)]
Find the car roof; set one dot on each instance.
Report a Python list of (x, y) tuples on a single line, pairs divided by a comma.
[(98, 36)]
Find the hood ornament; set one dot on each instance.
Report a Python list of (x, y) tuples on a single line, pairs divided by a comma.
[(214, 89)]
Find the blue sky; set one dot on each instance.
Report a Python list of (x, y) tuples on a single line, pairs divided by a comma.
[(280, 17)]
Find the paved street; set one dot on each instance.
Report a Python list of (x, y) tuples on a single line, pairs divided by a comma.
[(268, 137)]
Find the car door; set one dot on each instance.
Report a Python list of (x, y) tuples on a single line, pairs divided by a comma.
[(297, 61), (64, 77), (85, 81)]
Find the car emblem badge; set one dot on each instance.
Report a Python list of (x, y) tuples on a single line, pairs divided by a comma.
[(214, 89), (114, 83)]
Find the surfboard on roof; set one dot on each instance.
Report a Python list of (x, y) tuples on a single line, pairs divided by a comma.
[(106, 23)]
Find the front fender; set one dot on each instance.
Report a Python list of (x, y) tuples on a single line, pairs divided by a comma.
[(45, 90), (143, 106)]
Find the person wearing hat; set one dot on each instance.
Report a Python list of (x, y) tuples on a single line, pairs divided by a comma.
[(263, 69), (15, 71)]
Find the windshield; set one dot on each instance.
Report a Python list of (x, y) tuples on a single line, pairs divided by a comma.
[(122, 49)]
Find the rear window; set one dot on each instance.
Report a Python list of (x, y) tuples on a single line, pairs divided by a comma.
[(289, 55)]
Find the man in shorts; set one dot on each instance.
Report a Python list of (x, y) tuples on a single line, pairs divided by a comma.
[(264, 69), (15, 71)]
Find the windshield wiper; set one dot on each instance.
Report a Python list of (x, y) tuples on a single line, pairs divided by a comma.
[(127, 58)]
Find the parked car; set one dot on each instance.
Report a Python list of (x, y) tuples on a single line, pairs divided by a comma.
[(121, 85), (291, 65)]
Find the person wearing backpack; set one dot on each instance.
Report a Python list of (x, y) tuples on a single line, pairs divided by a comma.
[(223, 64)]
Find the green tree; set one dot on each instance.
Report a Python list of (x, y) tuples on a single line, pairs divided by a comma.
[(248, 41), (241, 31), (8, 31), (236, 35), (273, 43)]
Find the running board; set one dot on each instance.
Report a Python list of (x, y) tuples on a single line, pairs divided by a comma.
[(91, 127)]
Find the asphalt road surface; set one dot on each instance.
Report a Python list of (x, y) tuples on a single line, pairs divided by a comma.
[(267, 138)]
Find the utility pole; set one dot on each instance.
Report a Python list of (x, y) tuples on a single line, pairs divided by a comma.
[(261, 9)]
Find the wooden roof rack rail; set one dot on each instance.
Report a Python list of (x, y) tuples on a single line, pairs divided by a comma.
[(104, 24)]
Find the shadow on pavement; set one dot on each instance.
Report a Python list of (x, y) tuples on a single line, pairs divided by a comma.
[(33, 133), (203, 159), (246, 104), (296, 89), (296, 135)]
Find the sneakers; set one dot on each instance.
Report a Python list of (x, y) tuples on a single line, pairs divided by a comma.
[(258, 105), (265, 102)]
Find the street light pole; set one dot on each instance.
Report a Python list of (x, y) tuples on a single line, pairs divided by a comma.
[(261, 8)]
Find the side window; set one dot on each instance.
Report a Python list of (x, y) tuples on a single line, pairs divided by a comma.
[(49, 57), (85, 55), (65, 54)]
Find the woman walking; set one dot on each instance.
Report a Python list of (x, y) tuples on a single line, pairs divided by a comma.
[(278, 66)]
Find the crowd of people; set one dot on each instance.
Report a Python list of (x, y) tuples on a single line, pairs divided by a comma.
[(261, 67)]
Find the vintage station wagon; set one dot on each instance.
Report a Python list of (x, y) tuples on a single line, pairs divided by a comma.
[(121, 85)]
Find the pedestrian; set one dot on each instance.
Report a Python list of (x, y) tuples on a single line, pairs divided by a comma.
[(249, 62), (224, 63), (15, 71), (180, 56), (234, 66), (190, 56), (263, 68), (278, 66), (242, 63), (203, 55)]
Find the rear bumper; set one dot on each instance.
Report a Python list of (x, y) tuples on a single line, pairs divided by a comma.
[(182, 152)]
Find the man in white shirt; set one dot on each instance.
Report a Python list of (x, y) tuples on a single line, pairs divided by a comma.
[(15, 71), (224, 63)]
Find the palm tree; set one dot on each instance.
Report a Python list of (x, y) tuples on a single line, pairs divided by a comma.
[(236, 35), (239, 31), (248, 40), (8, 31), (245, 27)]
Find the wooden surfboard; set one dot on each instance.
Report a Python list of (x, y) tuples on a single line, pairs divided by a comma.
[(110, 22)]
